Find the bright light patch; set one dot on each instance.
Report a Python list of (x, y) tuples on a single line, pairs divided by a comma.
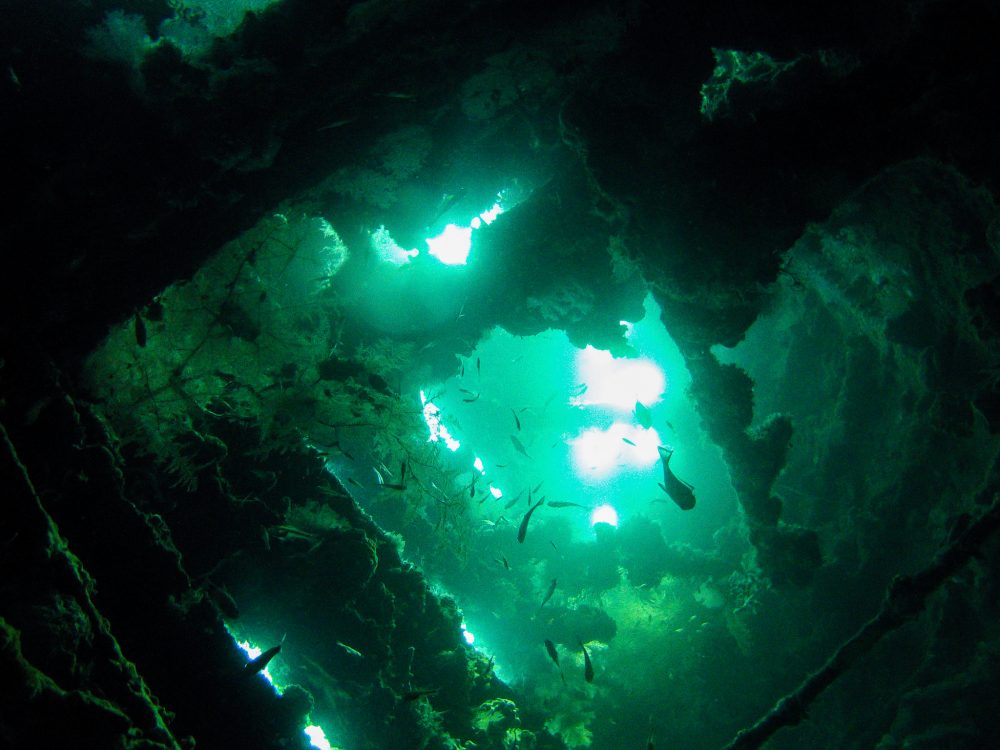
[(495, 491), (595, 452), (617, 382), (253, 652), (386, 249), (432, 416), (469, 637), (489, 215), (604, 514), (317, 737), (478, 463), (452, 246)]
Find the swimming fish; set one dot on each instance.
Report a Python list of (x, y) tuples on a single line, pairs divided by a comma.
[(522, 530), (517, 422), (628, 442), (554, 656), (258, 664), (588, 666), (565, 504), (479, 370), (351, 651), (679, 491), (642, 415), (415, 694), (519, 446), (513, 501), (548, 594)]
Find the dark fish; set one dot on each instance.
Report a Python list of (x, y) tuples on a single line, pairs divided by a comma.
[(554, 545), (553, 654), (519, 446), (522, 530), (538, 486), (578, 390), (503, 561), (479, 370), (643, 416), (549, 593), (470, 400), (467, 392), (511, 503), (679, 491), (402, 473), (415, 694), (517, 422), (472, 487), (354, 481), (448, 201), (565, 504), (257, 665), (140, 330), (588, 667), (628, 442)]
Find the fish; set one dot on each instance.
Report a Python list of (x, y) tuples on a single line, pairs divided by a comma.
[(519, 446), (479, 370), (578, 390), (503, 561), (351, 651), (513, 501), (538, 486), (448, 201), (628, 442), (470, 400), (548, 594), (402, 473), (517, 422), (554, 546), (588, 666), (416, 694), (522, 530), (678, 490), (354, 481), (259, 663), (472, 487), (554, 656), (642, 415), (140, 330), (566, 504)]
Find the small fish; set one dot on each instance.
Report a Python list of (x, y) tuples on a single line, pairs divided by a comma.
[(336, 124), (670, 426), (448, 201), (351, 651), (470, 400), (479, 369), (566, 504), (395, 95), (588, 666), (503, 561), (140, 330), (522, 530), (538, 486), (642, 415), (554, 656), (402, 473), (679, 491), (628, 442), (517, 422), (416, 694), (519, 446), (378, 475), (354, 481), (548, 594), (472, 487), (554, 546), (260, 663), (513, 501), (578, 390)]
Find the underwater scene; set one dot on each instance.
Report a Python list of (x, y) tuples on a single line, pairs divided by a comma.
[(502, 377)]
